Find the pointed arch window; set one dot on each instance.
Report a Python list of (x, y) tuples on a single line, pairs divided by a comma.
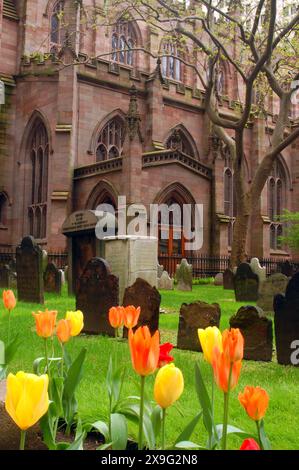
[(110, 140), (229, 193), (38, 149), (178, 141), (171, 61), (123, 41), (276, 203), (57, 30)]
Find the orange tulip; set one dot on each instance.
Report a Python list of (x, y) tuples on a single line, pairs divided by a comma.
[(145, 350), (233, 344), (255, 401), (221, 367), (45, 322), (131, 316), (63, 330), (116, 316), (9, 299)]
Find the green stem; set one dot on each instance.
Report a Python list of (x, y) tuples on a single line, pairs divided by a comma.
[(259, 433), (62, 358), (212, 405), (163, 428), (55, 428), (140, 435), (225, 416), (22, 440), (8, 339), (47, 358), (116, 333)]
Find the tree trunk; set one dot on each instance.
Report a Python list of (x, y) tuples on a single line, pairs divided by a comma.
[(238, 254)]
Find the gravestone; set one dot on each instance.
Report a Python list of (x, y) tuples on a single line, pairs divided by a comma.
[(131, 257), (30, 283), (5, 276), (183, 275), (246, 284), (160, 269), (258, 269), (287, 268), (142, 294), (193, 316), (273, 285), (257, 331), (228, 279), (165, 281), (97, 292), (218, 281), (62, 276), (45, 260), (286, 322), (52, 279)]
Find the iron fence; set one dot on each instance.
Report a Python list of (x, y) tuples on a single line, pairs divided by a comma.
[(7, 256)]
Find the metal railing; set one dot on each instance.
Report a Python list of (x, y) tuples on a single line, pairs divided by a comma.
[(59, 257)]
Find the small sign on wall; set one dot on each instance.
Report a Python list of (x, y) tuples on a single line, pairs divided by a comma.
[(2, 92)]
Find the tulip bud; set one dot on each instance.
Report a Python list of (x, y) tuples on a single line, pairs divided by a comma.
[(131, 316), (250, 444), (45, 322), (169, 385), (144, 350), (63, 330), (116, 316), (209, 338), (9, 299), (76, 319)]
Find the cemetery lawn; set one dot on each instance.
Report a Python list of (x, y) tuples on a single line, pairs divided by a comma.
[(282, 383)]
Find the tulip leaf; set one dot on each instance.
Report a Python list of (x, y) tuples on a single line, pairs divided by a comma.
[(204, 400), (2, 353), (187, 432), (265, 443), (188, 445), (37, 365), (232, 430), (148, 431), (105, 446), (156, 419), (74, 375), (77, 444), (47, 427), (12, 348), (102, 427), (119, 431)]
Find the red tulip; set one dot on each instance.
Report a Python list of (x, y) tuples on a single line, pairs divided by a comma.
[(164, 357), (250, 444)]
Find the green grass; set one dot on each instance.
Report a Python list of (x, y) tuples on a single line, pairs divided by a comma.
[(282, 383)]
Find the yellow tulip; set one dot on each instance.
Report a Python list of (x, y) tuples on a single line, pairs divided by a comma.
[(169, 385), (27, 398), (209, 338), (76, 319)]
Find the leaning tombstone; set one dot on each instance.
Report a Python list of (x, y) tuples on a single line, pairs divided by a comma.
[(97, 292), (165, 282), (258, 269), (184, 276), (29, 261), (286, 323), (193, 316), (272, 286), (142, 294), (246, 284), (257, 331), (52, 279)]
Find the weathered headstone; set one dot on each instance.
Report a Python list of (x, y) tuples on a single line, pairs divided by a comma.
[(5, 276), (97, 292), (142, 294), (218, 281), (246, 284), (165, 281), (130, 257), (62, 276), (45, 260), (273, 285), (183, 275), (52, 279), (228, 279), (258, 269), (257, 331), (286, 322), (193, 316), (30, 283), (160, 269), (287, 268)]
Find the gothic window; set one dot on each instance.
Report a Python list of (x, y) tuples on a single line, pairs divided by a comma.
[(122, 43), (220, 82), (171, 63), (276, 204), (110, 141), (57, 32), (230, 206), (38, 150), (178, 141), (3, 209)]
